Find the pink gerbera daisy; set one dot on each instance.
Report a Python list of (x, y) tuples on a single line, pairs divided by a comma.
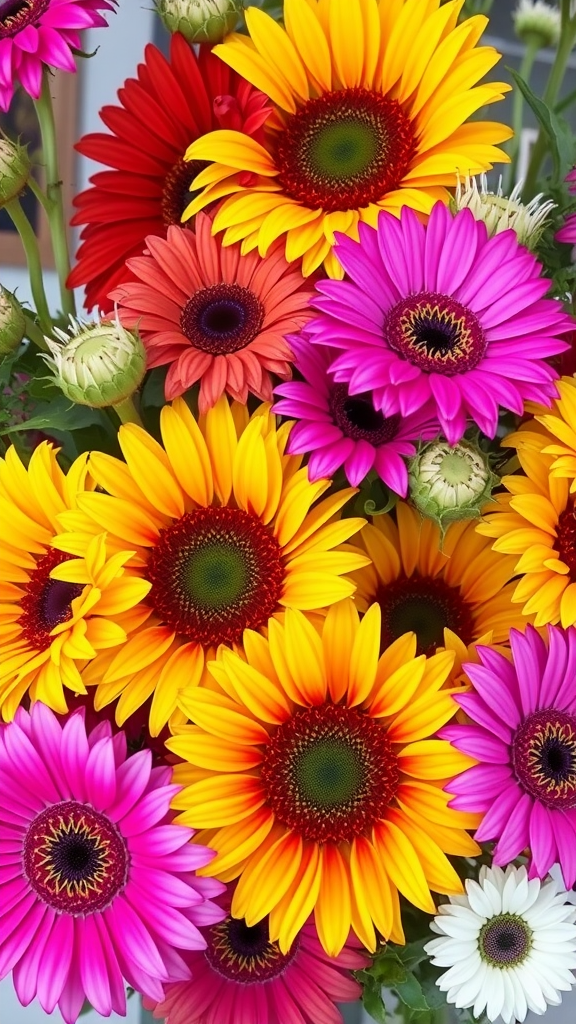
[(340, 429), (567, 232), (85, 840), (524, 737), (243, 978), (37, 32), (215, 316), (444, 313)]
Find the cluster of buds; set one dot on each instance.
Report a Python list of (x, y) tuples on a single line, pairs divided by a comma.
[(500, 212), (97, 364), (12, 322), (14, 169), (448, 482), (200, 21)]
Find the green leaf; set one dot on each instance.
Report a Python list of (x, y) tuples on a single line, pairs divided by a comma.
[(372, 999), (58, 415), (152, 393), (413, 953), (555, 128), (411, 994), (427, 976)]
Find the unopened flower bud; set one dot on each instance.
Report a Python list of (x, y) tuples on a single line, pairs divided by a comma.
[(500, 213), (449, 482), (200, 21), (14, 169), (12, 322), (537, 22), (98, 364)]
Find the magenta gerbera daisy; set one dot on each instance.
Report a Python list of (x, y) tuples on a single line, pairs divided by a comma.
[(343, 429), (441, 313), (567, 232), (523, 734), (38, 32), (85, 839), (244, 978)]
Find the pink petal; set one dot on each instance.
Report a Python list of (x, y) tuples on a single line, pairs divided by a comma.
[(56, 962)]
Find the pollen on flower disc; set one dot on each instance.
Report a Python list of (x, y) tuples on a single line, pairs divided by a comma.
[(215, 572), (344, 150), (16, 15), (329, 773), (544, 757), (435, 333), (245, 954), (176, 194)]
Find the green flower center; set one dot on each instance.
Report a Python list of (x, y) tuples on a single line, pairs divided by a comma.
[(329, 773), (426, 606), (505, 941)]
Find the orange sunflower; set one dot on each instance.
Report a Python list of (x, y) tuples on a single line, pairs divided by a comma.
[(370, 104), (315, 770), (224, 529)]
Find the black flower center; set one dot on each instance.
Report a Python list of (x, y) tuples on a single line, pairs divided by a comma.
[(344, 150), (222, 318), (357, 418), (329, 773), (435, 333), (245, 954), (16, 15), (544, 757), (566, 539), (214, 573), (426, 606), (75, 859), (176, 194), (505, 940), (46, 602)]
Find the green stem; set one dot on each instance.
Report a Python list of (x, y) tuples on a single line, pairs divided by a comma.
[(34, 333), (555, 79), (530, 52), (30, 243), (54, 204), (127, 412)]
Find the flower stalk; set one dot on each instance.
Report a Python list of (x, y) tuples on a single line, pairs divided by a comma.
[(30, 244)]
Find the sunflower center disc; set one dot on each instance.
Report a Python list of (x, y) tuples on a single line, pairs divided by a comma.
[(544, 757), (222, 318), (15, 15), (435, 333), (344, 150), (505, 940), (46, 602), (214, 573), (427, 607), (566, 542), (330, 773), (357, 418), (245, 954), (176, 194), (75, 858)]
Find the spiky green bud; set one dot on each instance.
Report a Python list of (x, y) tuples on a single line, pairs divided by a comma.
[(450, 482), (200, 21), (500, 212), (12, 322), (14, 169)]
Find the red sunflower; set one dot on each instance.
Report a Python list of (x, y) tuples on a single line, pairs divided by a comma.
[(170, 103)]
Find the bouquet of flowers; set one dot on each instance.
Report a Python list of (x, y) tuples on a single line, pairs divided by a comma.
[(288, 546)]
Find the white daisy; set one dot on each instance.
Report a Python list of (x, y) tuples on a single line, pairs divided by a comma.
[(509, 944), (556, 874)]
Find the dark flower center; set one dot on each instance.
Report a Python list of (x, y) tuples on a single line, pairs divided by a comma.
[(357, 418), (222, 318), (544, 757), (505, 940), (329, 773), (176, 194), (435, 333), (75, 859), (15, 15), (344, 150), (426, 606), (214, 573), (245, 954), (46, 602), (566, 539)]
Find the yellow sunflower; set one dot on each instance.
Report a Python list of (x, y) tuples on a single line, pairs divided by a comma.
[(225, 535), (536, 523), (453, 592), (560, 423), (56, 612), (370, 101), (319, 778)]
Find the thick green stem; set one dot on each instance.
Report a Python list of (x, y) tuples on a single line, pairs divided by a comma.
[(127, 412), (54, 204), (34, 333), (30, 243), (555, 79), (532, 47)]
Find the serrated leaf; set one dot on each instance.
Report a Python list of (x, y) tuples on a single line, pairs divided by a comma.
[(556, 130), (411, 994), (427, 976), (58, 415), (373, 1003), (413, 953)]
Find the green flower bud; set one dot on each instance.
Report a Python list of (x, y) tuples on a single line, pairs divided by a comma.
[(98, 364), (200, 21), (537, 22), (500, 213), (12, 322), (450, 482), (14, 169)]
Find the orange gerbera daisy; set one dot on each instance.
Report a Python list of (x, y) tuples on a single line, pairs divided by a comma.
[(315, 769), (213, 315)]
